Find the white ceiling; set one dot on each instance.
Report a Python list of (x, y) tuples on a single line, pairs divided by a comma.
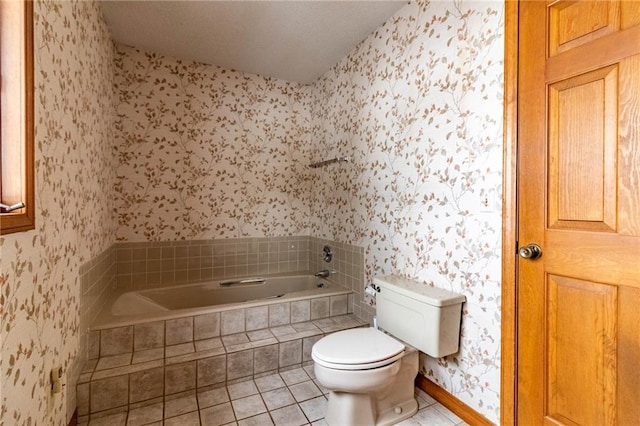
[(290, 40)]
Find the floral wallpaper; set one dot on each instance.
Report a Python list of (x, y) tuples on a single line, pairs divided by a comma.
[(75, 171), (418, 109), (204, 152)]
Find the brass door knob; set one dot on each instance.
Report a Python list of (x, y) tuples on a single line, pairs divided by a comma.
[(530, 251)]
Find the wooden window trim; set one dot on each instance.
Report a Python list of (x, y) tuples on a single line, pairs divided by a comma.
[(22, 219)]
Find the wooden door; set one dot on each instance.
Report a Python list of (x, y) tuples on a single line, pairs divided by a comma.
[(578, 350)]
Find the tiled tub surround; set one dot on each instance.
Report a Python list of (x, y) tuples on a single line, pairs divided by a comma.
[(158, 264), (348, 263), (97, 279), (208, 349), (141, 364), (181, 301)]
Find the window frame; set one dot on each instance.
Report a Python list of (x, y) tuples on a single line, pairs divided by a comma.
[(22, 219)]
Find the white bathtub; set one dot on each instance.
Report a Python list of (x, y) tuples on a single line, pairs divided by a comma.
[(135, 307)]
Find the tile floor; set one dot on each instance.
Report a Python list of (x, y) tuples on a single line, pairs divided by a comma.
[(290, 398)]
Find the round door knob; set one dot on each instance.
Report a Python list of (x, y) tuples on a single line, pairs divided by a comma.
[(530, 251)]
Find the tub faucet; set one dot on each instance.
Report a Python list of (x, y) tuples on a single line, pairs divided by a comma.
[(324, 273)]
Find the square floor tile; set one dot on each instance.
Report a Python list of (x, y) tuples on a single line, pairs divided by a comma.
[(314, 409), (113, 361), (423, 398), (297, 375), (235, 339), (305, 390), (148, 355), (291, 415), (189, 419), (271, 382), (178, 406), (409, 422), (207, 344), (448, 414), (259, 335), (118, 419), (309, 370), (145, 415), (212, 397), (432, 417), (217, 415), (260, 420), (278, 398), (242, 389), (248, 407), (324, 390), (181, 349), (283, 331)]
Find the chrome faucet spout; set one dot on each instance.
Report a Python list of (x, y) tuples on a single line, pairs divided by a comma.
[(324, 273)]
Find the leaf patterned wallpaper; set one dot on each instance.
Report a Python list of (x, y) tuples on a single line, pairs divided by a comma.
[(204, 152), (418, 108), (75, 171), (133, 146)]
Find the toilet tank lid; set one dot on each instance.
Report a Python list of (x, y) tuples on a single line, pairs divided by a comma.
[(433, 296)]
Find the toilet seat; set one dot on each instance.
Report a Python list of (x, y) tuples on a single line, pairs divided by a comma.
[(357, 349)]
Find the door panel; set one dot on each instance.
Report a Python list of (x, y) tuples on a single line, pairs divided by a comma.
[(576, 390), (574, 23), (583, 130), (579, 199)]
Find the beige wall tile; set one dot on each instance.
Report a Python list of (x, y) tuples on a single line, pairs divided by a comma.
[(115, 341), (279, 314), (212, 371), (179, 331), (307, 345), (93, 345), (257, 318), (207, 326), (338, 305), (300, 311), (148, 336), (232, 321), (319, 308), (82, 399), (180, 377), (290, 353), (146, 385), (240, 364), (265, 359), (109, 393)]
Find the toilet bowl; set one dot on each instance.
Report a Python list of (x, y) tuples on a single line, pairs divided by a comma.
[(370, 374)]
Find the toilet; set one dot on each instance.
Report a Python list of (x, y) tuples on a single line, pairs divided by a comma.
[(370, 373)]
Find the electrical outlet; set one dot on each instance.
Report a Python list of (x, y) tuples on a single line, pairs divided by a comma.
[(56, 380)]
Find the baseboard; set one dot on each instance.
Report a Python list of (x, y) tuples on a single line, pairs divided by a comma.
[(454, 405)]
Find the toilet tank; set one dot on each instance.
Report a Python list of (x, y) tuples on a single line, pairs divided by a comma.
[(425, 317)]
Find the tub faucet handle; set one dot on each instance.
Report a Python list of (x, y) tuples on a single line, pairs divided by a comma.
[(324, 273)]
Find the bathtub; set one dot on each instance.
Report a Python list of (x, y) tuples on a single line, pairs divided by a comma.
[(135, 307)]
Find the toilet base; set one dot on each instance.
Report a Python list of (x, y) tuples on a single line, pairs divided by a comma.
[(384, 407), (360, 409), (350, 409)]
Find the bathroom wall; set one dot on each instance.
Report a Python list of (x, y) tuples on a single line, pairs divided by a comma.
[(204, 152), (75, 171), (418, 108)]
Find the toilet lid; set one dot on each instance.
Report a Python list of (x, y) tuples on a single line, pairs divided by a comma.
[(357, 346)]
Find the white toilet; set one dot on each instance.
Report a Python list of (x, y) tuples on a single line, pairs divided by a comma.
[(370, 374)]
